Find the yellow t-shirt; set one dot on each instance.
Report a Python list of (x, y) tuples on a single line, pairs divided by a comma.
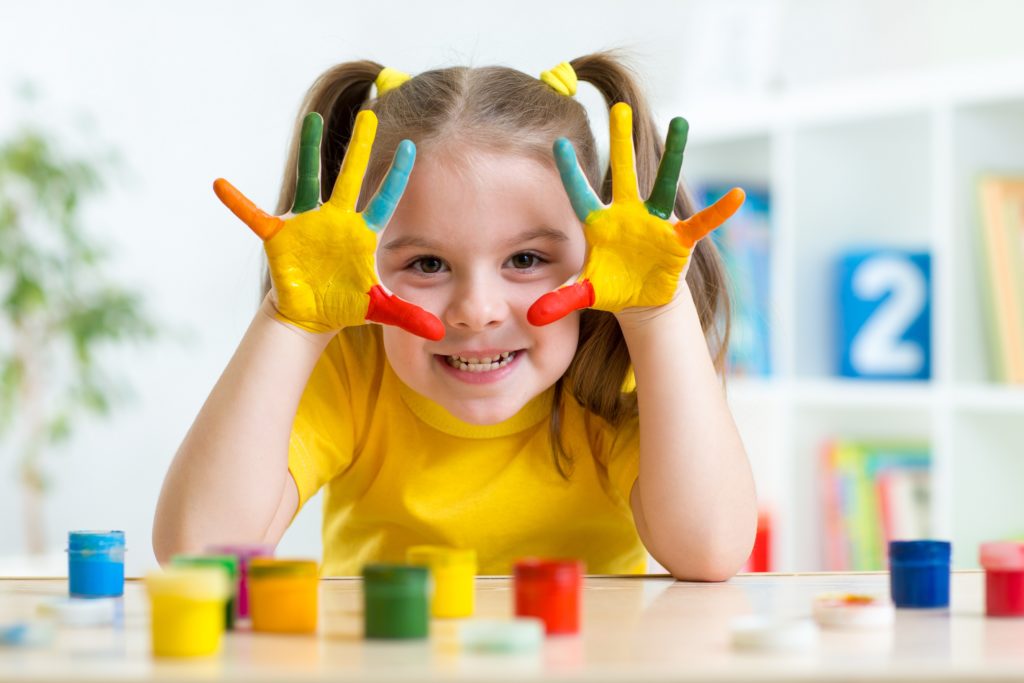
[(400, 471)]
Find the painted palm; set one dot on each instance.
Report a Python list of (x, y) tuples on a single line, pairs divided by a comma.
[(636, 250), (322, 256)]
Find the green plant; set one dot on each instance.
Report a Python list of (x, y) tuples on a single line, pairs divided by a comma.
[(59, 313)]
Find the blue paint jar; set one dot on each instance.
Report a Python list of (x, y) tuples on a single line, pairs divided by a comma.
[(96, 564), (919, 573)]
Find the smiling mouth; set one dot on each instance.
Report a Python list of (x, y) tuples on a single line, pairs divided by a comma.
[(486, 364)]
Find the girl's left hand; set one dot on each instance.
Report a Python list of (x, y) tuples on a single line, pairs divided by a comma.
[(636, 250)]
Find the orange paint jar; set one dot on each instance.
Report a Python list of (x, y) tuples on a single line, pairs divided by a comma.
[(283, 595)]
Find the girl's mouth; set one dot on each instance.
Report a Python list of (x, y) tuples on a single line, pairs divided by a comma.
[(485, 364)]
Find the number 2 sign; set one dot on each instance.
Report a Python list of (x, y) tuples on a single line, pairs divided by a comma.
[(884, 314)]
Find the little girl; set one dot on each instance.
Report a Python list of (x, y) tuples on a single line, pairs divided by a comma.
[(492, 409)]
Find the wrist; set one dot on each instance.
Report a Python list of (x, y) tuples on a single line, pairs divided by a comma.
[(639, 318), (269, 310)]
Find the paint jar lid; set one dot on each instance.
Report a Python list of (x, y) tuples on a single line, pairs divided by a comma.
[(1002, 555), (95, 541), (82, 611), (850, 610), (773, 634), (523, 634), (193, 583), (228, 562), (920, 551), (243, 551), (395, 577), (436, 556), (562, 571), (266, 567)]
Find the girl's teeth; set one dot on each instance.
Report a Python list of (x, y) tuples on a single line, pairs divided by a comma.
[(486, 364)]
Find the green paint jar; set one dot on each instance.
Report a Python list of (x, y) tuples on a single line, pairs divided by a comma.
[(395, 601), (229, 563)]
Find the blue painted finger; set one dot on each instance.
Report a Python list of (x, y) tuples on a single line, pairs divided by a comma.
[(584, 201), (383, 204)]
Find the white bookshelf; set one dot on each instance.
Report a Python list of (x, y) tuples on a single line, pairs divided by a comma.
[(887, 162)]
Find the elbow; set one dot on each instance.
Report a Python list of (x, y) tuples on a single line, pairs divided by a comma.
[(710, 569)]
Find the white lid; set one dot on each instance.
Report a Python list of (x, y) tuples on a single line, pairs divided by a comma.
[(774, 634), (501, 635), (81, 611), (851, 610)]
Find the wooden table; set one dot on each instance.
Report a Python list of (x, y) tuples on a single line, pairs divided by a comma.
[(634, 629)]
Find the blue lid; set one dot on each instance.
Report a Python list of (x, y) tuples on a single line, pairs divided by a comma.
[(920, 551), (97, 541)]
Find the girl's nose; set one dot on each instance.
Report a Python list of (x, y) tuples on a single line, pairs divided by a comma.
[(477, 306)]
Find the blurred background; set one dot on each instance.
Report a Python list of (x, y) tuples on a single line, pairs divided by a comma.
[(878, 268)]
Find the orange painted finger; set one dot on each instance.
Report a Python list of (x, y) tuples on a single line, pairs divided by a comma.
[(357, 156), (620, 122), (261, 223), (701, 223)]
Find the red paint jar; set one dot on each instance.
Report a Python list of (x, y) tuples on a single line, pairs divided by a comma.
[(550, 590), (1003, 563)]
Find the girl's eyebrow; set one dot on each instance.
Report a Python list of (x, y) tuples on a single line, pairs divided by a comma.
[(549, 234)]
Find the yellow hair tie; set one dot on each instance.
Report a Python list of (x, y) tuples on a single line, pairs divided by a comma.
[(389, 79), (562, 78)]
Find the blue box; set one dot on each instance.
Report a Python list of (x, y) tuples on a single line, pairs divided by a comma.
[(884, 314)]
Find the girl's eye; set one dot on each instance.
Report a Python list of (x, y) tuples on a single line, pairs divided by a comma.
[(524, 260), (428, 265)]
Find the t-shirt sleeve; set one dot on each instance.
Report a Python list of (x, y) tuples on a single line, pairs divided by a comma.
[(324, 435)]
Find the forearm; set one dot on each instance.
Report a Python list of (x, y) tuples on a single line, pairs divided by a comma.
[(229, 476), (694, 499)]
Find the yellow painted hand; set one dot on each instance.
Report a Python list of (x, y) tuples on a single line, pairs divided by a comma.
[(636, 250), (322, 257)]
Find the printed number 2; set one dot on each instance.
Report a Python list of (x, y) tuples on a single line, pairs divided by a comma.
[(878, 347)]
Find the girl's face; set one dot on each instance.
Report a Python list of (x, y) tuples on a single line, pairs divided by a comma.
[(475, 240)]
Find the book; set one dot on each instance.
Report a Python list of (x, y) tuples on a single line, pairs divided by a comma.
[(745, 244), (1001, 203), (872, 492)]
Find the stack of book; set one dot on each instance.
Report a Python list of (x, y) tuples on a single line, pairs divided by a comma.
[(872, 492), (1001, 200)]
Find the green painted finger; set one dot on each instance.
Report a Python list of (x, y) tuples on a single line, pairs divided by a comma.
[(307, 185), (663, 195)]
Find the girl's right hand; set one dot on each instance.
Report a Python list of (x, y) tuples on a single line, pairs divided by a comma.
[(322, 256)]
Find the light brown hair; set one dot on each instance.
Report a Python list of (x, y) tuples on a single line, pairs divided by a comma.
[(502, 109)]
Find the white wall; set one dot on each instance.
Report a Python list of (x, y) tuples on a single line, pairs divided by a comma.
[(188, 91)]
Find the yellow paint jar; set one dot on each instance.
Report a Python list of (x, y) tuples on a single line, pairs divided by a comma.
[(187, 610), (283, 595), (452, 573)]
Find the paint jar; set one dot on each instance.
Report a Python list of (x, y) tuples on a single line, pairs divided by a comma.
[(229, 563), (244, 553), (550, 591), (452, 578), (919, 573), (395, 603), (96, 564), (283, 595), (1003, 563), (187, 610)]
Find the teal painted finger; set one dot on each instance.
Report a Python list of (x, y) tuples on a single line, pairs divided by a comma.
[(307, 185), (581, 195), (383, 204), (663, 195)]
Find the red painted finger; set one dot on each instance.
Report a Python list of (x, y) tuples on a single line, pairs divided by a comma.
[(261, 223), (561, 302), (388, 309)]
